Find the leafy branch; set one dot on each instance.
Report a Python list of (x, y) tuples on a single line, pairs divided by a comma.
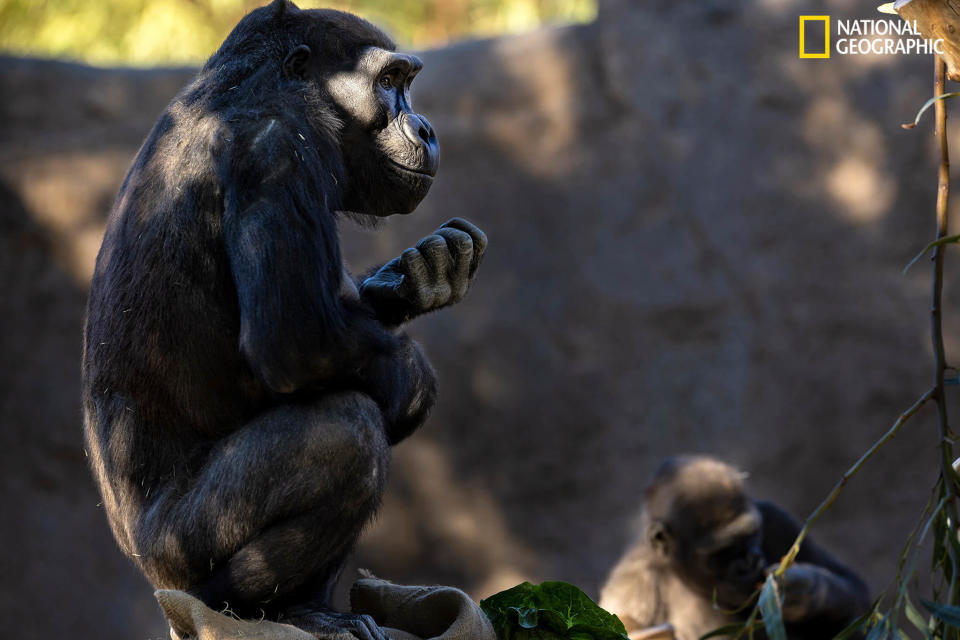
[(942, 620)]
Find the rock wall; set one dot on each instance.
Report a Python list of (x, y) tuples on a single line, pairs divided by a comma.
[(696, 241)]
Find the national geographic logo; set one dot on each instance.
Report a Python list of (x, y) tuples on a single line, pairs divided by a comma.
[(863, 37), (825, 53)]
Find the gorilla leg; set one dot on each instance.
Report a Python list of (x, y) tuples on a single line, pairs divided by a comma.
[(269, 519)]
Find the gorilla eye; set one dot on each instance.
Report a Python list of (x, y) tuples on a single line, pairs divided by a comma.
[(386, 82)]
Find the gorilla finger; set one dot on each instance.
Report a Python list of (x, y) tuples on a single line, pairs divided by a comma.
[(367, 629), (461, 246), (417, 279), (479, 239), (459, 242), (476, 234), (435, 251), (435, 288)]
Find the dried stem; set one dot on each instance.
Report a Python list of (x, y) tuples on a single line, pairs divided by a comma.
[(936, 316), (949, 478)]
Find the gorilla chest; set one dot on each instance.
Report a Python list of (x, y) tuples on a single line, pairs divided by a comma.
[(691, 614)]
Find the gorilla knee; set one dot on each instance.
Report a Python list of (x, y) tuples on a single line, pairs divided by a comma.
[(164, 560), (350, 441)]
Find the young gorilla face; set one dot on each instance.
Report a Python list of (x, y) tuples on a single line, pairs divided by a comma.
[(729, 560), (390, 153), (708, 531)]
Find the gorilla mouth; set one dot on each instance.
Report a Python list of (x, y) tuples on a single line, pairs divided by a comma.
[(423, 173)]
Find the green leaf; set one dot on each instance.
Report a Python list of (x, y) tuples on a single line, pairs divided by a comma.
[(770, 611), (935, 243), (550, 611), (881, 631), (864, 622), (948, 614), (915, 617), (926, 106)]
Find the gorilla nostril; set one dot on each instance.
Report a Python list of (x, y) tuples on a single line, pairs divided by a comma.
[(414, 129)]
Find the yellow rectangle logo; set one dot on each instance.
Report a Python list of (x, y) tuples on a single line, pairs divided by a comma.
[(826, 36)]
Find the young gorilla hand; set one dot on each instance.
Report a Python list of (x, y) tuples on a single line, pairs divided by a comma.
[(434, 274), (811, 592)]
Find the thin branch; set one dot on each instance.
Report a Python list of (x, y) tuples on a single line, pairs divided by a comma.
[(791, 555), (916, 121), (936, 315)]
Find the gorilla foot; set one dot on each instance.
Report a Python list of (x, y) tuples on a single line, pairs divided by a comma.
[(333, 625)]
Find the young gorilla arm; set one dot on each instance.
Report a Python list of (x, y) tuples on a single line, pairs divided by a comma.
[(820, 594)]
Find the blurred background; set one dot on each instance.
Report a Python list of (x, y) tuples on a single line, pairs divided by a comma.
[(696, 245), (155, 32)]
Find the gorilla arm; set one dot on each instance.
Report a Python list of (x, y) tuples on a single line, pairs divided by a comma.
[(817, 587), (297, 329)]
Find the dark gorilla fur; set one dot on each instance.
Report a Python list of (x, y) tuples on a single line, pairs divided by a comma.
[(241, 392), (702, 535)]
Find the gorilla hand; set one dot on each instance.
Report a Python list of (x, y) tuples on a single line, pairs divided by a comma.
[(434, 274), (806, 591)]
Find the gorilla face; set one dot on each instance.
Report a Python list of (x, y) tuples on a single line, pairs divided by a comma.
[(390, 152), (706, 529), (734, 560)]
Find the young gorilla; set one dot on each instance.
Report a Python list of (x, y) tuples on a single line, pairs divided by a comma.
[(702, 534), (241, 392)]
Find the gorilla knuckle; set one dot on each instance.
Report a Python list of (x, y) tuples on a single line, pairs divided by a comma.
[(412, 263), (434, 247), (443, 293), (460, 241), (478, 237)]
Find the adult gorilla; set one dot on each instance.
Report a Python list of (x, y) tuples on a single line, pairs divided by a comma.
[(240, 391)]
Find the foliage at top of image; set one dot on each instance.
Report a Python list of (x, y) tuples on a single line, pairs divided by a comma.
[(170, 32), (550, 611)]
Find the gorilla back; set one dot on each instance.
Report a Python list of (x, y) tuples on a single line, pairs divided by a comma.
[(240, 392)]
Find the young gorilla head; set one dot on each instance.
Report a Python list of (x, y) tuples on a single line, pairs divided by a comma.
[(700, 524), (352, 86)]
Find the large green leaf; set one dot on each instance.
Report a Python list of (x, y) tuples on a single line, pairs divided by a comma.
[(550, 611)]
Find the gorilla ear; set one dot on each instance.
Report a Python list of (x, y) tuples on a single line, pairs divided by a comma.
[(659, 539), (295, 64)]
